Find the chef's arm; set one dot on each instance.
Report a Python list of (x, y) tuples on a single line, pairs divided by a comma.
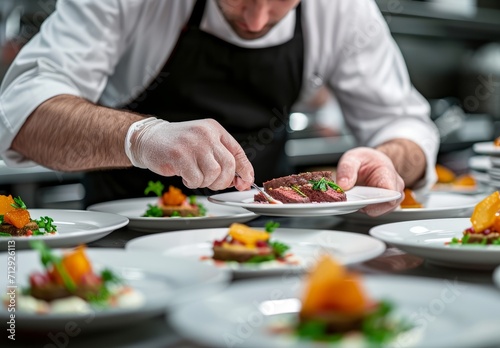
[(68, 133), (407, 157)]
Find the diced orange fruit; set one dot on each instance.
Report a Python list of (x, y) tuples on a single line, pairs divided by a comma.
[(444, 175), (410, 201), (76, 264), (465, 180), (246, 235), (484, 213), (173, 197), (6, 204), (496, 224), (331, 288), (18, 217), (496, 142)]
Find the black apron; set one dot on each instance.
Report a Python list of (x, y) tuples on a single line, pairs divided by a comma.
[(248, 91)]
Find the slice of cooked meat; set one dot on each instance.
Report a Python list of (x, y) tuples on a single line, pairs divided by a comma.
[(296, 188), (18, 232), (183, 211), (239, 255), (297, 179), (479, 237)]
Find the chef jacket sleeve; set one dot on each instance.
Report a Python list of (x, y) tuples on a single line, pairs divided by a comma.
[(74, 53), (372, 84)]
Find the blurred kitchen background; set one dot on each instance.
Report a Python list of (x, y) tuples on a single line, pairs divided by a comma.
[(451, 47)]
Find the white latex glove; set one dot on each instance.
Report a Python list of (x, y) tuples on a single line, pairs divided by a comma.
[(202, 152), (369, 167)]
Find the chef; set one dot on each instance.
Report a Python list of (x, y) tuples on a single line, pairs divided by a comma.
[(134, 90)]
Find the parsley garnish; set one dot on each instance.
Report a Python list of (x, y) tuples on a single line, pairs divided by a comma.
[(261, 258), (279, 248), (3, 234), (153, 211), (323, 184), (271, 226), (45, 223), (155, 187)]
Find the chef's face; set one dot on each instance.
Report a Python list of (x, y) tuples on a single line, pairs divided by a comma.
[(251, 19)]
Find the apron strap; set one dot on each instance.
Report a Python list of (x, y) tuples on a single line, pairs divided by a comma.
[(197, 14)]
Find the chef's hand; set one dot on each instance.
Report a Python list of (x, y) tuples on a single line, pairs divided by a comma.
[(202, 152), (369, 167)]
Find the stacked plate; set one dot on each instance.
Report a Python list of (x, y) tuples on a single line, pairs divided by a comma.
[(488, 163)]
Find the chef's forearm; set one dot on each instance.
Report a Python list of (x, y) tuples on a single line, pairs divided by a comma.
[(68, 133), (408, 158)]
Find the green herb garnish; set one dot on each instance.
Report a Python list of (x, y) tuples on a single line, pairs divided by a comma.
[(279, 248), (297, 189), (155, 187), (3, 234), (18, 203), (153, 211), (46, 224), (261, 258), (323, 184), (47, 259), (271, 226)]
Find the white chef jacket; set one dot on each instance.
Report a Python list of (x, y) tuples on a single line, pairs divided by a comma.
[(109, 51)]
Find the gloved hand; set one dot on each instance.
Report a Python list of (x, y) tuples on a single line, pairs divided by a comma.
[(202, 152), (369, 167)]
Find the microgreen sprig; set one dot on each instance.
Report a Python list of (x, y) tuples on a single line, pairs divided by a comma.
[(48, 259), (271, 226), (155, 187), (323, 184)]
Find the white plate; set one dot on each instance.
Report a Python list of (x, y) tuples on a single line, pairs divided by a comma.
[(444, 313), (438, 205), (427, 238), (486, 148), (160, 279), (306, 245), (73, 227), (479, 163), (133, 209), (357, 198)]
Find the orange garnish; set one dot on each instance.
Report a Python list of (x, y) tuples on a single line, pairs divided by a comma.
[(173, 197), (76, 265), (331, 287), (18, 217), (444, 175), (6, 204), (410, 201), (484, 214)]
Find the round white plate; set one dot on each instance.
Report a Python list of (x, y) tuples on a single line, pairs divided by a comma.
[(438, 205), (479, 163), (74, 227), (427, 238), (306, 245), (160, 279), (486, 148), (443, 313), (357, 198), (133, 209)]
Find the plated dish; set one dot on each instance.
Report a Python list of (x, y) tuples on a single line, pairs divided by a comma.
[(430, 239), (134, 208), (437, 205), (247, 313), (305, 245), (357, 198), (161, 281), (73, 227), (487, 148)]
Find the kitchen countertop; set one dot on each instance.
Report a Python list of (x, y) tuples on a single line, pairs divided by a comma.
[(156, 332)]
